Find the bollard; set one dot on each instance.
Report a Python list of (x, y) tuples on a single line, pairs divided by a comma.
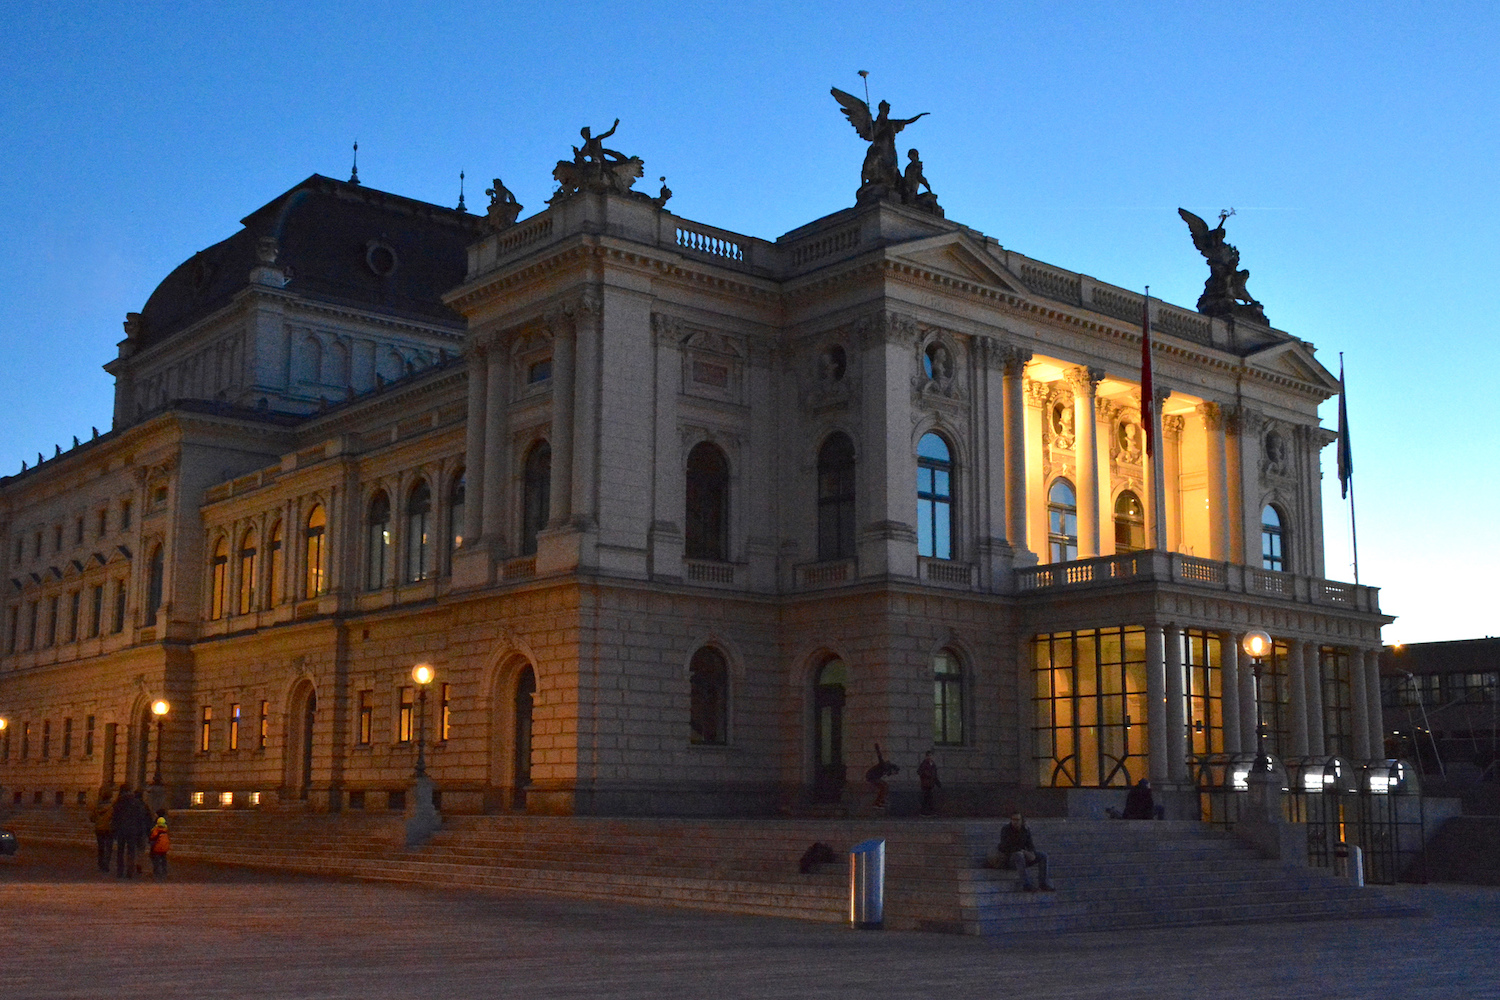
[(1357, 866), (867, 885)]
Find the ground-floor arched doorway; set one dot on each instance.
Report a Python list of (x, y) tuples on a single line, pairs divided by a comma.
[(524, 701), (829, 730), (301, 716)]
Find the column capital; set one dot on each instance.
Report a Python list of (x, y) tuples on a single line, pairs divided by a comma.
[(1212, 415), (1085, 379)]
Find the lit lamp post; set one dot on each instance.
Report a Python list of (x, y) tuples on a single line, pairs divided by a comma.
[(424, 820), (1256, 645), (159, 708)]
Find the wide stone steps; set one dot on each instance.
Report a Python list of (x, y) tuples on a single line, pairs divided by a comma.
[(1109, 874)]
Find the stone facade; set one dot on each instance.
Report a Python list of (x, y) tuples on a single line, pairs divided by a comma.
[(573, 454)]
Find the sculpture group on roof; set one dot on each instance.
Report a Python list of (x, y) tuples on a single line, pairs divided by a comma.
[(881, 177), (1224, 293)]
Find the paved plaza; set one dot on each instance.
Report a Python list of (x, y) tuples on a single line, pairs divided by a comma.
[(222, 932)]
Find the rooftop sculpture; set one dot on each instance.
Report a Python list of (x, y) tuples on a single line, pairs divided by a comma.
[(880, 177), (597, 169), (1224, 292)]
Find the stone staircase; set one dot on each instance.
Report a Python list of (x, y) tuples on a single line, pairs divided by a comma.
[(1108, 873)]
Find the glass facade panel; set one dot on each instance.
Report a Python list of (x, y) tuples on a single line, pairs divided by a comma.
[(1090, 707)]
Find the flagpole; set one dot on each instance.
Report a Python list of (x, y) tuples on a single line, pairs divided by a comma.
[(1346, 464), (1353, 531)]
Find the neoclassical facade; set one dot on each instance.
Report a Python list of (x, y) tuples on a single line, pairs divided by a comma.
[(685, 521)]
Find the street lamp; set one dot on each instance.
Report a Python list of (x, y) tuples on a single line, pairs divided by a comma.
[(1256, 645), (422, 673), (159, 708)]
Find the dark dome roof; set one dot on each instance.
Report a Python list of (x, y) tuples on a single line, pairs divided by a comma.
[(339, 242)]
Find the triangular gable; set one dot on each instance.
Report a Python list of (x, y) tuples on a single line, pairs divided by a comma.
[(121, 553), (958, 255), (97, 559), (1293, 359)]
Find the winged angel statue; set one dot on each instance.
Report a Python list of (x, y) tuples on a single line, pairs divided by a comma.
[(1224, 292), (881, 177)]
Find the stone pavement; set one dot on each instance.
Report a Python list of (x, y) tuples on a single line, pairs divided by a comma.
[(210, 931)]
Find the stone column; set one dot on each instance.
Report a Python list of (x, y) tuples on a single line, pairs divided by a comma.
[(1085, 382), (1361, 698), (1015, 448), (887, 471), (1234, 497), (1156, 496), (474, 445), (1176, 708), (1156, 705), (1218, 481), (1312, 670), (1372, 700), (497, 450), (1297, 680), (1229, 687), (1171, 432)]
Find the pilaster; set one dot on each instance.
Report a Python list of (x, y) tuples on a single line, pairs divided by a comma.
[(1085, 382)]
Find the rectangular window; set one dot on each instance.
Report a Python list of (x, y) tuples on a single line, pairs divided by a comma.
[(96, 610), (78, 531), (206, 731), (103, 523), (366, 717), (234, 726), (31, 624), (88, 736), (52, 608), (25, 740), (75, 599), (68, 737), (1090, 704), (407, 716), (124, 515), (12, 628), (1202, 661), (445, 712), (36, 545), (265, 725), (1338, 701), (118, 625), (46, 738)]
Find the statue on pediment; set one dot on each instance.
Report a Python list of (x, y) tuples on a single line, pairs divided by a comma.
[(596, 168), (1224, 293), (504, 208), (881, 178)]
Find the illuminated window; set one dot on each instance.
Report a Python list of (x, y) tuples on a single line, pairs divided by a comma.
[(445, 711), (226, 799), (1202, 662), (405, 718), (378, 542), (1273, 540), (206, 729), (234, 726), (219, 581), (536, 495), (253, 798), (265, 725), (934, 498), (836, 490), (1090, 704), (947, 699), (709, 697), (707, 529), (419, 548), (366, 717), (313, 553), (198, 798), (1130, 523), (246, 602), (1062, 521), (456, 516)]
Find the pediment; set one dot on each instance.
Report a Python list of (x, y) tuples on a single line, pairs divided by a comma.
[(957, 255), (1293, 359)]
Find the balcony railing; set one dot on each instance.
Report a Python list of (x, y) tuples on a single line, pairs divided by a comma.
[(1207, 574)]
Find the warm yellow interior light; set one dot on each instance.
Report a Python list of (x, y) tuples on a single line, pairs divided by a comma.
[(422, 673), (3, 723), (160, 707), (1256, 644)]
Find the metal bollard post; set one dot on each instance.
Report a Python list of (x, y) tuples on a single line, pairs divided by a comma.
[(867, 885), (1357, 866)]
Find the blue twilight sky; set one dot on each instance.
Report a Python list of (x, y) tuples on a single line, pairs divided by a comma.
[(1358, 142)]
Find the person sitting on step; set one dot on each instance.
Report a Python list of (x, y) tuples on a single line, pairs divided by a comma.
[(1018, 851)]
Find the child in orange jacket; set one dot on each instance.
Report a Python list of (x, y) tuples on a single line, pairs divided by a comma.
[(160, 844)]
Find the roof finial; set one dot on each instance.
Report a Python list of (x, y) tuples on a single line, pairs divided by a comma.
[(461, 192), (354, 174)]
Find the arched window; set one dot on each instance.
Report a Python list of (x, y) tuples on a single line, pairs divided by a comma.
[(934, 498), (709, 709), (1130, 523), (273, 566), (378, 542), (1273, 540), (456, 515), (836, 498), (418, 532), (536, 495), (1062, 521), (154, 577), (707, 535), (219, 578), (314, 581), (246, 602), (947, 699)]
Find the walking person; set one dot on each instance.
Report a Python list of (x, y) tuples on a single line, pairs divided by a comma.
[(927, 774), (103, 836), (161, 843)]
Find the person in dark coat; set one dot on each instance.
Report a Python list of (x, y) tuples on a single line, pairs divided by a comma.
[(103, 817), (1017, 850), (876, 776), (1140, 804), (928, 776), (130, 823)]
